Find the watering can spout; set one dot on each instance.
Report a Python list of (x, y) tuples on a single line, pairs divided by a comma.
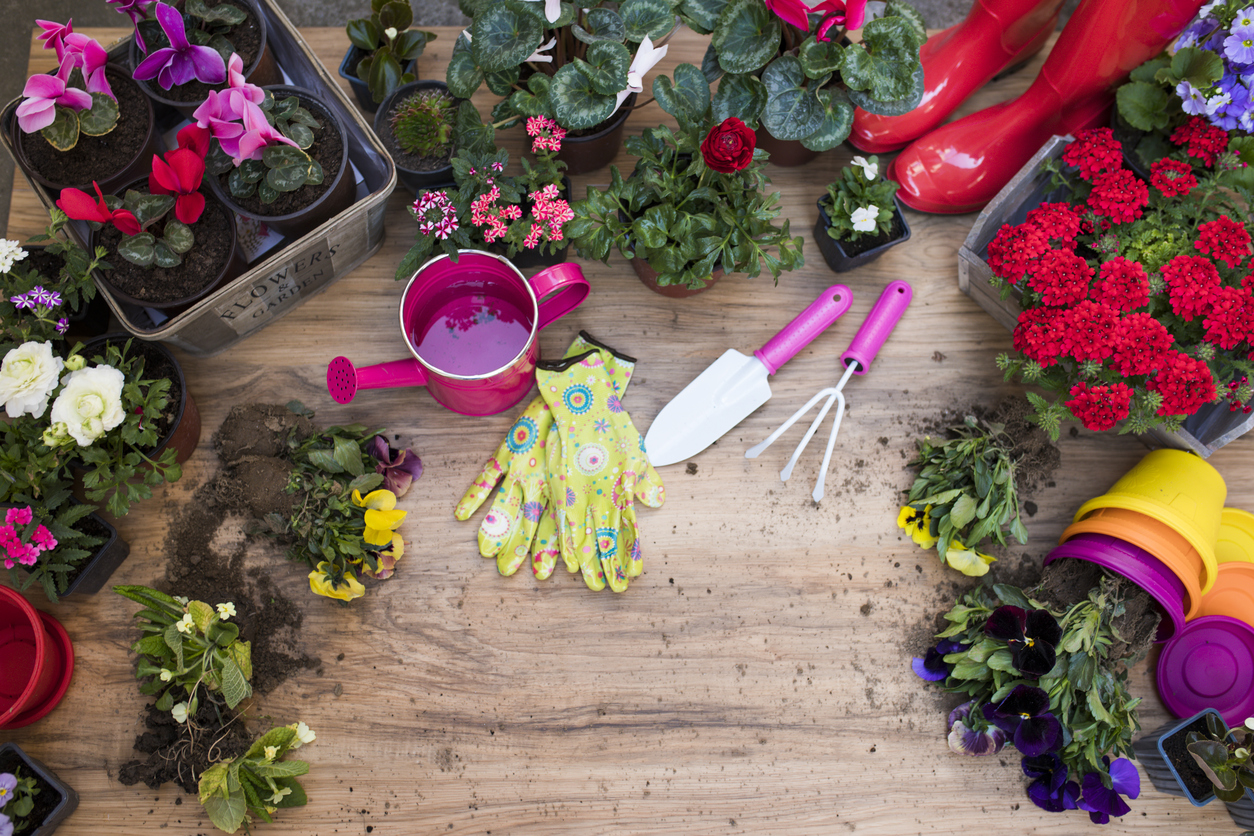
[(344, 379)]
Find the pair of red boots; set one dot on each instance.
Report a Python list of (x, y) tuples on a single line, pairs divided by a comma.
[(961, 166)]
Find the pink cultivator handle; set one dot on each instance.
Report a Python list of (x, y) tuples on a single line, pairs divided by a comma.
[(878, 325), (344, 379), (807, 325)]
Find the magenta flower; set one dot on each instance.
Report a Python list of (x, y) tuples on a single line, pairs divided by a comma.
[(181, 61), (86, 54), (221, 120), (44, 93), (21, 516), (136, 10), (258, 135), (54, 34)]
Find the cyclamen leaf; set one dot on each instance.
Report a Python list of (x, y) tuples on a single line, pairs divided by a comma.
[(62, 134), (164, 257), (178, 236), (138, 249), (101, 118), (504, 36), (653, 18), (746, 36), (603, 25), (576, 102), (739, 95)]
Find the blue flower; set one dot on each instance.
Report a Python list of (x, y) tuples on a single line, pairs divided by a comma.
[(933, 666), (1024, 714), (965, 740), (578, 398), (1193, 101), (1102, 801), (1051, 790)]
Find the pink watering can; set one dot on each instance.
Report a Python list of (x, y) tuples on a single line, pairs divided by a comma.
[(471, 326)]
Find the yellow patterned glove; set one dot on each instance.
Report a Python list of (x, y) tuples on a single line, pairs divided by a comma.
[(519, 522), (597, 469)]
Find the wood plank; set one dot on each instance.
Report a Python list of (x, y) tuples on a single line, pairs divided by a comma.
[(754, 680)]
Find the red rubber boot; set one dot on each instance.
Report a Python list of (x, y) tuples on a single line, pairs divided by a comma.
[(961, 166), (996, 35)]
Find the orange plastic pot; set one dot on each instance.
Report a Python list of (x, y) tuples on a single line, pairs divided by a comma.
[(36, 661), (1154, 536), (1233, 593)]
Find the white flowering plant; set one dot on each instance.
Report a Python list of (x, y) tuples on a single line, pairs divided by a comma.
[(259, 782), (860, 202)]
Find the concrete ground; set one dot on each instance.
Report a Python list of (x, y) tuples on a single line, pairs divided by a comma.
[(21, 15)]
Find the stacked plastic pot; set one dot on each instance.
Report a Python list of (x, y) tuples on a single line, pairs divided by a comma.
[(36, 661), (1164, 527)]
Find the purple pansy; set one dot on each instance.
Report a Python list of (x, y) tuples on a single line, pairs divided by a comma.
[(1050, 790), (43, 95), (181, 61), (1024, 715), (965, 740), (399, 469), (6, 825), (1100, 801), (1031, 637), (933, 666)]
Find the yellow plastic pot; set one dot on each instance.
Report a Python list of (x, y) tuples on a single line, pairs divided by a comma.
[(1236, 537), (1179, 489), (1233, 593)]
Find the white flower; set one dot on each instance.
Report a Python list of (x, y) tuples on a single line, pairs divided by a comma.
[(552, 10), (179, 712), (539, 57), (304, 735), (280, 794), (28, 376), (10, 251), (864, 218), (226, 611), (645, 59), (166, 675), (869, 170), (390, 32), (271, 752), (186, 624), (90, 403), (1214, 103)]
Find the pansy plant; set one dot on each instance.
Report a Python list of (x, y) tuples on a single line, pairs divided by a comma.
[(1030, 637), (17, 801), (76, 100)]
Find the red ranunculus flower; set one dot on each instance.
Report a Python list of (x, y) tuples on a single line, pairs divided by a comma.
[(78, 205), (728, 147)]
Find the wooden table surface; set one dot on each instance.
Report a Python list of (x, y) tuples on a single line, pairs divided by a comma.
[(755, 679)]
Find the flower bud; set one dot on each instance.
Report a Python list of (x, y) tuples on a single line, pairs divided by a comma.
[(75, 362), (56, 435)]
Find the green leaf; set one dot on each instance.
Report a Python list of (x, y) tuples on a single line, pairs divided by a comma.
[(396, 15), (687, 97), (364, 34), (1199, 67), (235, 689), (962, 512), (576, 102), (1001, 660), (62, 134), (918, 28), (166, 701), (646, 17), (164, 257), (792, 111), (607, 65), (223, 13), (178, 236), (149, 597), (138, 249), (819, 58), (267, 193), (242, 653), (410, 44), (747, 36), (348, 455), (384, 76), (101, 118), (603, 25), (1146, 107), (870, 104), (742, 96), (147, 207), (289, 178), (504, 36), (154, 646), (702, 15), (226, 813), (325, 461), (281, 769), (1013, 596), (296, 798), (201, 614), (300, 134)]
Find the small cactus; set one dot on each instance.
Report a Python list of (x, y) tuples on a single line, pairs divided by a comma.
[(423, 123)]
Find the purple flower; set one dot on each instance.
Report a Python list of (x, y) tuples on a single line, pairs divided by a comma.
[(399, 469), (136, 10), (181, 61), (965, 740), (1239, 47), (6, 826), (22, 301), (532, 511), (40, 295), (88, 55), (1030, 635), (1051, 790), (933, 666), (63, 325), (44, 94), (1024, 714), (54, 34), (1102, 801), (54, 299), (1193, 101)]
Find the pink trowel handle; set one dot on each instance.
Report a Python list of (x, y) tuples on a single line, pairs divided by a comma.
[(878, 325), (344, 379), (808, 324)]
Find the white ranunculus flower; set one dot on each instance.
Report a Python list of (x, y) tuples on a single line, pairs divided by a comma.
[(90, 403), (863, 221), (10, 252), (27, 377), (869, 169)]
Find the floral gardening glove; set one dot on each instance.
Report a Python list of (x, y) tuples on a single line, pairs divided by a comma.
[(597, 469), (520, 521)]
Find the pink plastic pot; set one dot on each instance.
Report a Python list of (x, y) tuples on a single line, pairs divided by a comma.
[(36, 661), (471, 326), (1138, 566)]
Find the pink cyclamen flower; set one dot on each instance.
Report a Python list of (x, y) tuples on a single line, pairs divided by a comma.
[(44, 94), (181, 61), (258, 135), (54, 34), (217, 116), (136, 10), (238, 90), (86, 54)]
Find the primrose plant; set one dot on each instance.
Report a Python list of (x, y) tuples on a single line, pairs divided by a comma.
[(259, 782), (860, 202), (76, 100)]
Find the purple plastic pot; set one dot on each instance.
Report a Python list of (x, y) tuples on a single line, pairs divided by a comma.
[(1138, 566), (1209, 664)]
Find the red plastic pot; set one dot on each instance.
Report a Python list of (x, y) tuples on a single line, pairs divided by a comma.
[(36, 661)]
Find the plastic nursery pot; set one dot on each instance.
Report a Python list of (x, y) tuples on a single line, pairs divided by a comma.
[(1154, 536), (413, 178), (835, 252), (1178, 488), (108, 556), (36, 661), (1209, 664), (136, 165), (583, 154), (184, 432), (1233, 593), (348, 72), (11, 756), (1138, 566), (340, 191), (262, 71), (785, 153), (1236, 537), (648, 277), (233, 265), (1242, 811), (1170, 767)]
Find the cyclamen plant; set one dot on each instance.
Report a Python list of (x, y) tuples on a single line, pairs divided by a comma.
[(860, 202), (1135, 297), (17, 801), (75, 101)]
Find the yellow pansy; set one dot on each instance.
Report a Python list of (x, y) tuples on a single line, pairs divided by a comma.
[(967, 561), (381, 517), (387, 560), (380, 500), (321, 583), (917, 524)]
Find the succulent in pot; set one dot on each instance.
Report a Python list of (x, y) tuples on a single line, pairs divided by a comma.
[(417, 124), (859, 218), (386, 46)]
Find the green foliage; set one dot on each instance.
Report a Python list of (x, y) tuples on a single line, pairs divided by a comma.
[(255, 784), (1087, 687), (389, 44), (71, 279), (21, 802), (55, 509), (290, 119), (423, 122), (68, 124), (856, 190), (186, 645), (1224, 755)]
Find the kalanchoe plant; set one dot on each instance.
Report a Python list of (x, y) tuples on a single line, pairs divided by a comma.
[(695, 200), (860, 202), (189, 651), (782, 64), (1225, 756), (964, 495), (17, 801), (423, 123), (75, 101), (257, 783), (1066, 720), (389, 45), (1134, 295)]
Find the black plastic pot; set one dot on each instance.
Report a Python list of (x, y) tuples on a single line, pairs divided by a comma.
[(93, 574), (1242, 811), (348, 72), (834, 252), (583, 154), (12, 755), (413, 179)]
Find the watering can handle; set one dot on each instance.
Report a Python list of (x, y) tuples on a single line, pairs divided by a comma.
[(878, 325), (559, 289)]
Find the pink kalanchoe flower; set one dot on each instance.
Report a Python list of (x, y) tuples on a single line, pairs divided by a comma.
[(181, 61), (54, 34), (44, 93), (86, 54)]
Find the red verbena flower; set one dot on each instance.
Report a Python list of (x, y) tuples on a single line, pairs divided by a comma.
[(1056, 222), (1118, 195), (1191, 282), (1039, 335), (1122, 284), (1172, 177), (1185, 384), (1229, 318), (1089, 330), (1012, 250), (1062, 278), (1094, 152), (1224, 239), (1203, 139), (1140, 342), (1100, 407)]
